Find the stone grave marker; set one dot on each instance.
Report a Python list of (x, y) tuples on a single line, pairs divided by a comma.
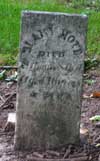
[(49, 90)]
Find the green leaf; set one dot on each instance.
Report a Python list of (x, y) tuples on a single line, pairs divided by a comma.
[(2, 74), (89, 81), (95, 118)]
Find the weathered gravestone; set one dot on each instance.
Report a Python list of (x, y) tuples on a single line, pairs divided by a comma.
[(50, 79)]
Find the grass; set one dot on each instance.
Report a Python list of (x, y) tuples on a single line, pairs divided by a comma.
[(10, 14)]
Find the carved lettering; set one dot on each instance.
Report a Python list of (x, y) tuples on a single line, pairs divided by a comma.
[(46, 81), (71, 38), (64, 34), (41, 54), (37, 35), (77, 48), (67, 68), (77, 51), (26, 47), (75, 45), (54, 54), (44, 67)]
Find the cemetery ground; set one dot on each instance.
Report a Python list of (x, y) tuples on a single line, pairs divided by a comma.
[(89, 148)]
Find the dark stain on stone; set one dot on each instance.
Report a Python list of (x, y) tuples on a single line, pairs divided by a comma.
[(25, 61), (73, 83), (30, 83), (33, 94)]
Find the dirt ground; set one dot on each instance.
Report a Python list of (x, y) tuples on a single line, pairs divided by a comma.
[(89, 148)]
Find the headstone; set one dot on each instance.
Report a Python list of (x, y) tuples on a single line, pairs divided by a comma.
[(51, 65)]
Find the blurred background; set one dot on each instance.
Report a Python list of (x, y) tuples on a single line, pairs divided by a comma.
[(10, 15)]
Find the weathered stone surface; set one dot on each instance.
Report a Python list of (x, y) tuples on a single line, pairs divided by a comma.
[(51, 65)]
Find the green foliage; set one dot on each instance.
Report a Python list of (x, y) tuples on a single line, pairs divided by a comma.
[(2, 74), (89, 81), (10, 15), (95, 118), (8, 59), (92, 62), (86, 3)]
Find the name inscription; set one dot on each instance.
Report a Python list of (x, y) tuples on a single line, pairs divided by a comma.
[(63, 35)]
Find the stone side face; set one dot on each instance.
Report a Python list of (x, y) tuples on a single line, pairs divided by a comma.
[(49, 90)]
